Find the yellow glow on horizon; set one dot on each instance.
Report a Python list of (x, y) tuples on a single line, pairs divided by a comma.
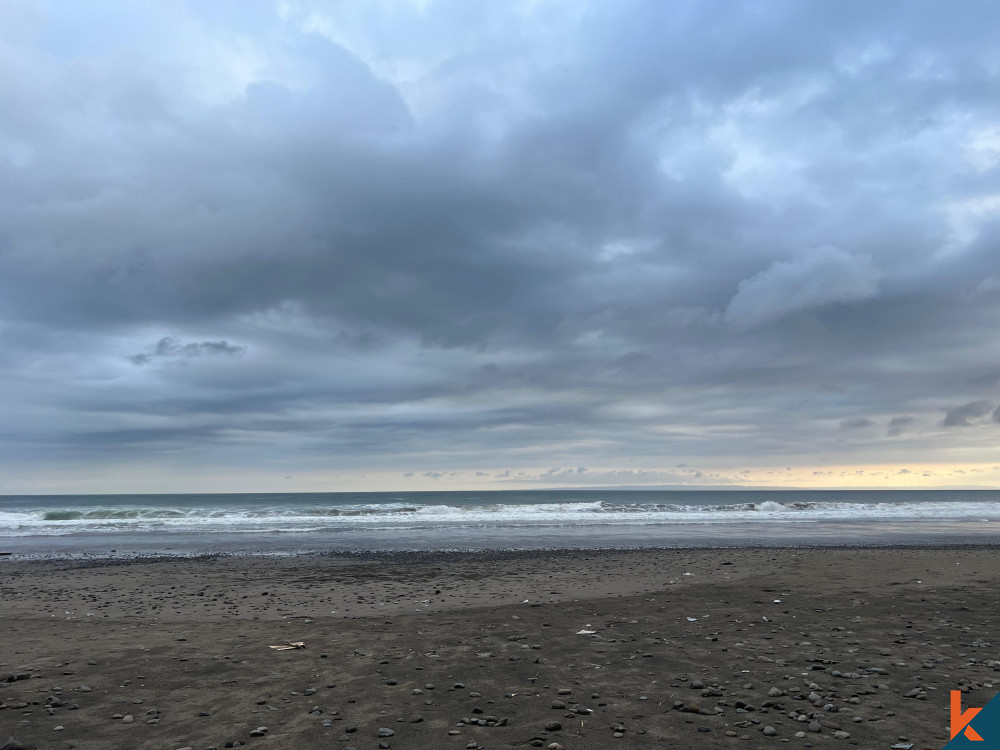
[(165, 479)]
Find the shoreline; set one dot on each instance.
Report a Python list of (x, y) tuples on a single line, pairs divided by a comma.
[(182, 646), (460, 554)]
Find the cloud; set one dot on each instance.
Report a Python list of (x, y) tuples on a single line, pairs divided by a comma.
[(856, 423), (171, 348), (898, 425), (966, 414), (354, 237), (814, 279)]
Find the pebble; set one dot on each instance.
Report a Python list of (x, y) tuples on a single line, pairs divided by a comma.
[(385, 732), (128, 719), (770, 731)]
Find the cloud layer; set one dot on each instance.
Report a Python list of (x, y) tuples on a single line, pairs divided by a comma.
[(439, 237)]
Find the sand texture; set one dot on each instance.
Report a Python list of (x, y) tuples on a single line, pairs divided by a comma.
[(688, 649)]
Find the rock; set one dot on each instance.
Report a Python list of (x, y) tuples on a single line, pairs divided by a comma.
[(553, 726), (385, 732), (128, 719), (774, 692), (697, 685), (814, 726), (770, 731), (842, 735)]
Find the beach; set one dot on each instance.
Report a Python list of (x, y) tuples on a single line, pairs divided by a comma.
[(760, 647)]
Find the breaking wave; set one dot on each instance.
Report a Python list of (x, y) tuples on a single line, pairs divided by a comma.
[(257, 518)]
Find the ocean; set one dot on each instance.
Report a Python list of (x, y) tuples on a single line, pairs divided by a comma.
[(276, 524)]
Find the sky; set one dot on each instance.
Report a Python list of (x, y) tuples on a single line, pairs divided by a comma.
[(440, 244)]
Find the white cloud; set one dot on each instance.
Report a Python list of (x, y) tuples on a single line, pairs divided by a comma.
[(983, 148), (966, 219), (816, 278)]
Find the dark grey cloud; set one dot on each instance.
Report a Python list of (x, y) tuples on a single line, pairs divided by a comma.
[(170, 348), (898, 425), (967, 414), (451, 235)]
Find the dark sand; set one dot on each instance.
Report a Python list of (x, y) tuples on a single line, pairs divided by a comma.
[(863, 641)]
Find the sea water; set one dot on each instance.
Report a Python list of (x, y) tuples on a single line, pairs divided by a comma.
[(71, 525)]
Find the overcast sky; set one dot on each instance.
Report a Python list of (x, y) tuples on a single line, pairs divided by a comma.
[(448, 244)]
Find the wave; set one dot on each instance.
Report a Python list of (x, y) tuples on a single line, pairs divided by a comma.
[(250, 519)]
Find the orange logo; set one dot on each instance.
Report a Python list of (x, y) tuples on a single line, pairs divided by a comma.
[(959, 720)]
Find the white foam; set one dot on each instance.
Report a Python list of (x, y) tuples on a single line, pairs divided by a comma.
[(399, 516), (769, 506)]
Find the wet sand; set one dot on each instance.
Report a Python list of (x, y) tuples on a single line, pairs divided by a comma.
[(739, 648)]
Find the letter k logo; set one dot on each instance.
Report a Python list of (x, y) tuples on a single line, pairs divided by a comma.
[(960, 721)]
